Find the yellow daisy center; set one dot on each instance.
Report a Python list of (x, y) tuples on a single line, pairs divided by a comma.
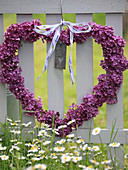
[(40, 166), (106, 161), (90, 166), (65, 158), (96, 130)]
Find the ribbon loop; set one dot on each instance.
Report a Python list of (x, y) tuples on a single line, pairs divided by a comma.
[(57, 28)]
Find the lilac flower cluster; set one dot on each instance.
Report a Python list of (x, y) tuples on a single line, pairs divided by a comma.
[(114, 64)]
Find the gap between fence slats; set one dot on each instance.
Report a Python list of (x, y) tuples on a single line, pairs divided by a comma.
[(84, 62), (55, 77)]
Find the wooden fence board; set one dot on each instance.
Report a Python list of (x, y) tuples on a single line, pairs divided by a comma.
[(26, 59), (53, 6), (55, 77), (84, 62), (115, 112)]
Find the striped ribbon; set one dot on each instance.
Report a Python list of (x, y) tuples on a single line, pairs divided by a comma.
[(57, 28)]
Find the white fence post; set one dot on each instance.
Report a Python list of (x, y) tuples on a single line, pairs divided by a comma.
[(26, 58), (3, 101), (115, 111)]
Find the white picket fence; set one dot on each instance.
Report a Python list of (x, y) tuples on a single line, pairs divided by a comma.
[(83, 10)]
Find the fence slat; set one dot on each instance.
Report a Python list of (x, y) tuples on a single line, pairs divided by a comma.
[(26, 59), (55, 77), (3, 101), (115, 112), (84, 54)]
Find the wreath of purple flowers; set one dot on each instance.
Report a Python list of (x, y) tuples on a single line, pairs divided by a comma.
[(114, 64)]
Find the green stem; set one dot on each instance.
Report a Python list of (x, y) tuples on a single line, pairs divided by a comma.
[(101, 142)]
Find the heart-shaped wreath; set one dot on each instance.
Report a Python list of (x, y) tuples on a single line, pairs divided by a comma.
[(114, 64)]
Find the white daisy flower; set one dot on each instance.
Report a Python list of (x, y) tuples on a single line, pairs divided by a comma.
[(30, 154), (18, 143), (43, 156), (53, 154), (2, 148), (65, 158), (15, 147), (42, 133), (106, 162), (90, 167), (48, 136), (0, 139), (34, 140), (30, 167), (94, 162), (61, 141), (96, 148), (70, 136), (40, 166), (26, 124), (13, 140), (4, 157), (73, 147), (46, 142), (41, 152), (89, 148), (33, 149), (53, 157), (126, 156), (77, 152), (96, 131), (15, 131), (17, 121), (85, 147), (114, 144), (35, 159), (55, 131), (70, 141), (22, 157), (82, 166), (44, 125), (10, 120), (59, 149), (70, 122), (49, 129), (108, 167), (62, 127), (14, 124), (80, 141), (31, 132), (76, 159), (28, 144), (80, 147)]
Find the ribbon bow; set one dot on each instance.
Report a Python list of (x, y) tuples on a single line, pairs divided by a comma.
[(57, 28)]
